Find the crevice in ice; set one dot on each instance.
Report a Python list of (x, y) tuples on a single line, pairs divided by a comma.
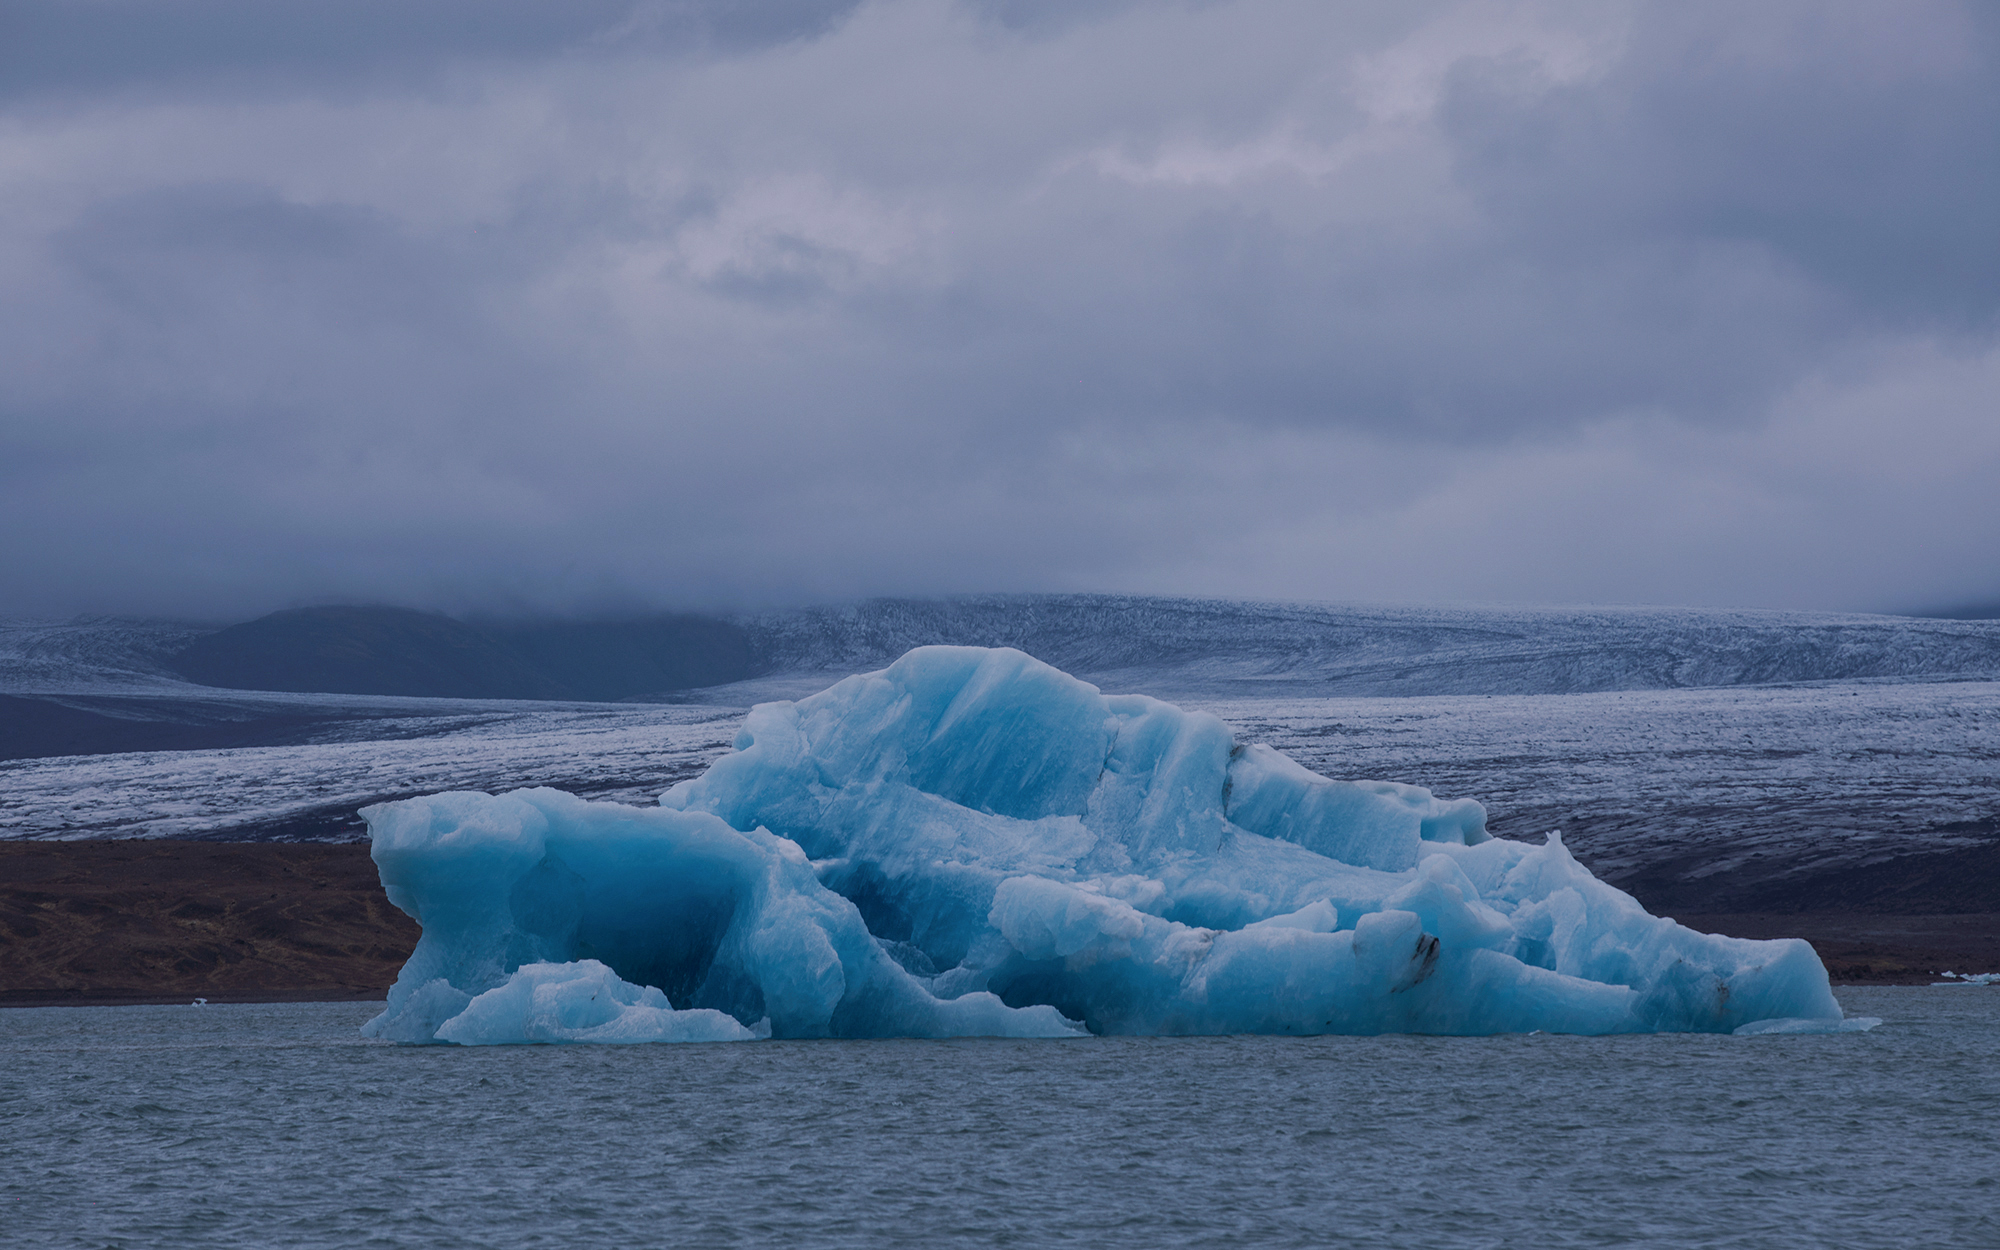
[(912, 959), (873, 894)]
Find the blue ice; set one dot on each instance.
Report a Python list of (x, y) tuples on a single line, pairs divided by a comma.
[(972, 843)]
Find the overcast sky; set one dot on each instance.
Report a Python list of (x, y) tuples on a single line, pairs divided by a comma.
[(489, 304)]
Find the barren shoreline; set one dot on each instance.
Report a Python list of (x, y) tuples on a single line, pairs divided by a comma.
[(158, 921), (101, 923)]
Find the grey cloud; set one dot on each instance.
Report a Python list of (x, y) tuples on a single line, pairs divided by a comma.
[(67, 49), (742, 304), (1688, 232), (223, 305), (1851, 141)]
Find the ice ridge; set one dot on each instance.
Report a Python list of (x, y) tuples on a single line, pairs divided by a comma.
[(971, 842)]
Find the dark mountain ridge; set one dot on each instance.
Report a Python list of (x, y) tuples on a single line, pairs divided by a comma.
[(363, 650), (400, 651), (1170, 647), (1967, 612)]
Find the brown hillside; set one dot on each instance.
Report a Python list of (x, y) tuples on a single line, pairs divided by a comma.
[(167, 921)]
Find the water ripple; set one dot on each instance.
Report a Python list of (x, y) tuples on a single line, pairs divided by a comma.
[(276, 1126)]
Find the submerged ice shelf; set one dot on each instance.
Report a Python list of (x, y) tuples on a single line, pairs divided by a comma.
[(971, 842)]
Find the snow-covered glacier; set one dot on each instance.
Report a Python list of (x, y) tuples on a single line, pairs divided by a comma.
[(971, 842)]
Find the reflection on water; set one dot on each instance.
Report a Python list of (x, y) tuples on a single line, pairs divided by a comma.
[(278, 1126)]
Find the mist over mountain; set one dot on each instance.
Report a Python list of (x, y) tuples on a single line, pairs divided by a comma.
[(505, 307)]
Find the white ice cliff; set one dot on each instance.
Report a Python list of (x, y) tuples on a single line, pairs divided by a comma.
[(970, 842)]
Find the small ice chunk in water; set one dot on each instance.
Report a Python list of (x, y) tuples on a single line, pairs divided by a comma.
[(1970, 978), (1767, 1028), (971, 842), (583, 1001)]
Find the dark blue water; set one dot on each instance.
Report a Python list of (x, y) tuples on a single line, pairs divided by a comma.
[(278, 1126)]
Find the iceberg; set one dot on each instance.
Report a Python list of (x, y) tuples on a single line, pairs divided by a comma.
[(973, 843)]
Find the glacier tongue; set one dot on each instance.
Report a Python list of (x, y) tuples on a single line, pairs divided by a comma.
[(971, 842)]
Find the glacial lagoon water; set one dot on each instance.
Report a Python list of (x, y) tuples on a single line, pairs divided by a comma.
[(279, 1125)]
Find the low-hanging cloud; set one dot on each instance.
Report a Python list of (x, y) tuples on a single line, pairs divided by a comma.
[(577, 307)]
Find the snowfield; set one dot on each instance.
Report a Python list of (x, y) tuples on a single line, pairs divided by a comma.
[(1763, 778), (1813, 776)]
